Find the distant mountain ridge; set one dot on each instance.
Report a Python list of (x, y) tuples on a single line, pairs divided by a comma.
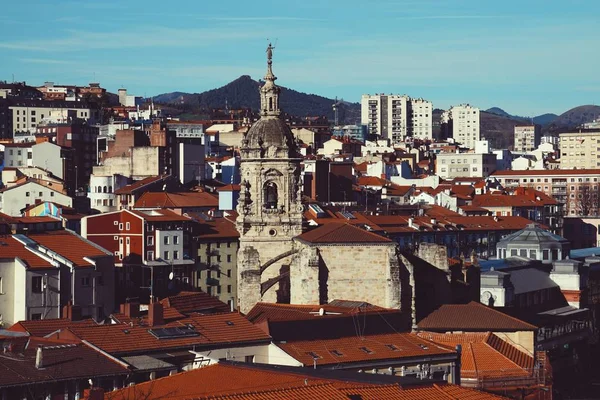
[(543, 119), (243, 93)]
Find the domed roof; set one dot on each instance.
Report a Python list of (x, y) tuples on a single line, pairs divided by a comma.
[(270, 131), (533, 234)]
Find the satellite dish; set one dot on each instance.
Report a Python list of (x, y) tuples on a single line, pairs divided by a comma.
[(171, 275)]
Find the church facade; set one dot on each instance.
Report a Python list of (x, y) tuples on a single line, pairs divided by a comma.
[(279, 263)]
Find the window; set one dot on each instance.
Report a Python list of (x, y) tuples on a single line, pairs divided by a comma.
[(166, 240), (513, 252), (166, 255), (1, 291), (150, 255), (228, 288), (175, 239), (545, 254), (219, 289), (26, 194), (85, 281), (36, 316), (218, 245), (127, 226), (150, 241), (249, 359), (121, 226), (51, 194), (229, 273), (36, 284), (176, 255), (127, 241), (228, 244), (218, 258), (228, 257)]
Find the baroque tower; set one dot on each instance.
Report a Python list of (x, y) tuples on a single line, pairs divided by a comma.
[(270, 207)]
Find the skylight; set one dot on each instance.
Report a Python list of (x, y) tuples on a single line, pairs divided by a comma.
[(337, 353), (367, 350), (314, 355), (174, 333), (392, 347)]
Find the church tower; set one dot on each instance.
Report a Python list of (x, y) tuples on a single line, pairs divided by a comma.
[(270, 207)]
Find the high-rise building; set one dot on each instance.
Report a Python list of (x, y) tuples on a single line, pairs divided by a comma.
[(396, 117), (527, 137), (463, 124)]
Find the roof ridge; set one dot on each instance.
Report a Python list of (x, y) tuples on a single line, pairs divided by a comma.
[(504, 314), (443, 392)]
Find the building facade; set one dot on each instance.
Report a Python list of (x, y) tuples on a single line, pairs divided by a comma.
[(579, 150), (458, 165), (464, 122), (527, 138)]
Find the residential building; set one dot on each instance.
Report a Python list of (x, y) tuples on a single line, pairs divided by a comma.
[(147, 246), (102, 192), (18, 155), (218, 243), (179, 202), (41, 272), (59, 161), (458, 165), (527, 138), (129, 194), (577, 189), (463, 124), (328, 181), (27, 113), (396, 117), (579, 150), (15, 198)]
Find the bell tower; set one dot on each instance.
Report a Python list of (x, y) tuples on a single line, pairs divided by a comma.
[(270, 207)]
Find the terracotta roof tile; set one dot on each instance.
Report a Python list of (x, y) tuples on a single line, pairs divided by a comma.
[(341, 232), (424, 392), (323, 391), (177, 200), (216, 228), (472, 317), (213, 329), (485, 355), (43, 327), (135, 186), (292, 312), (70, 246), (60, 362), (186, 302), (361, 348), (11, 248)]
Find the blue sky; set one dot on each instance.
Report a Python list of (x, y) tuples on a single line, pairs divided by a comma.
[(528, 56)]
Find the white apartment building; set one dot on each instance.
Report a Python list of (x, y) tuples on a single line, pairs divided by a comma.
[(470, 165), (18, 155), (580, 150), (13, 199), (421, 123), (527, 138), (396, 117), (465, 124)]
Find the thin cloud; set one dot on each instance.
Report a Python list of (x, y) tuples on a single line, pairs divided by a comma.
[(258, 19), (419, 17), (42, 61)]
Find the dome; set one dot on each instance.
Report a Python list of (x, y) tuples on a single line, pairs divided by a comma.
[(535, 243), (534, 234), (270, 131)]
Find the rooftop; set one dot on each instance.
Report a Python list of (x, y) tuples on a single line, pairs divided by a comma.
[(201, 302), (177, 200), (341, 232), (135, 186), (471, 317)]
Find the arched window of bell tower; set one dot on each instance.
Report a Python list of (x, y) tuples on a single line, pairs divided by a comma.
[(270, 195), (270, 104)]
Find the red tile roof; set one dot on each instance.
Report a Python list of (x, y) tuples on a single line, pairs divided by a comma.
[(61, 362), (485, 355), (43, 327), (70, 246), (187, 302), (520, 198), (159, 215), (358, 348), (213, 329), (177, 200), (134, 187), (217, 228), (341, 232), (11, 248), (472, 317), (253, 382), (371, 181)]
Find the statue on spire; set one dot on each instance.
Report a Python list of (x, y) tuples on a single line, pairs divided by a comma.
[(270, 53)]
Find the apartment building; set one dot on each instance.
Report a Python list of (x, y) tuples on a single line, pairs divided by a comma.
[(420, 113), (470, 165), (396, 117), (27, 114), (577, 189), (463, 124), (527, 138), (580, 150)]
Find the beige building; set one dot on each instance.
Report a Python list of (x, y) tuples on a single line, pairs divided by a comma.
[(421, 123), (27, 114), (465, 124), (470, 165), (579, 150), (527, 138)]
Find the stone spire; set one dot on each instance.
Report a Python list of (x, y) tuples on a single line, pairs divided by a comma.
[(269, 92)]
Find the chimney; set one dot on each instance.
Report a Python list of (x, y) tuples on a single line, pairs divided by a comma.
[(155, 314), (131, 309), (94, 393), (456, 377), (39, 358), (72, 312)]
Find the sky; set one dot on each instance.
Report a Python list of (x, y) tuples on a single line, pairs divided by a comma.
[(528, 57)]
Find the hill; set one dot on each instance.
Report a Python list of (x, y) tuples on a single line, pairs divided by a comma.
[(543, 119), (574, 117), (243, 93)]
